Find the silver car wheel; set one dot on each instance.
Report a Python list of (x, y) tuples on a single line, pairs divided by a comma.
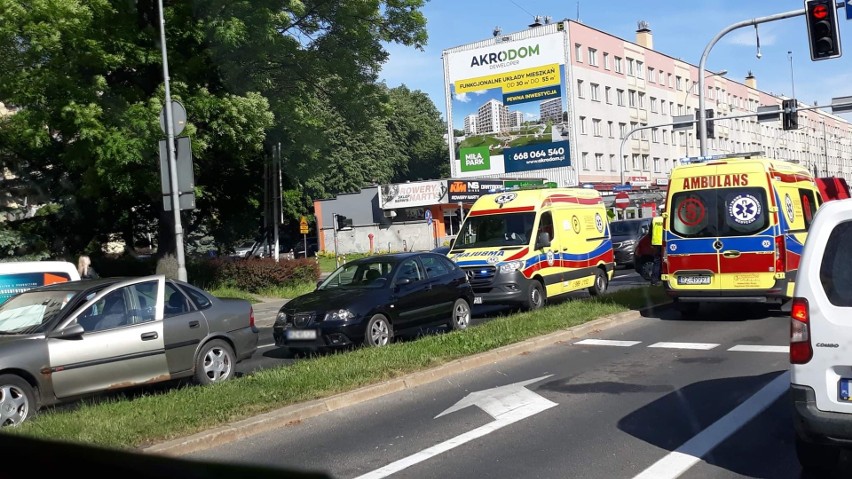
[(461, 315), (16, 401), (216, 362), (379, 333)]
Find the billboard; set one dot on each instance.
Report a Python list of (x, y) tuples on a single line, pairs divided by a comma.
[(413, 194), (507, 106), (469, 191)]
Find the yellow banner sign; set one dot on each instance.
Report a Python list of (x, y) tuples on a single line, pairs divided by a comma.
[(545, 75)]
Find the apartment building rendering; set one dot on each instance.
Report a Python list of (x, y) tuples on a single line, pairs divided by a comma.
[(609, 86)]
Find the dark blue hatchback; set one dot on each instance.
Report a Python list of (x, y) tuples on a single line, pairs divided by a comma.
[(369, 300)]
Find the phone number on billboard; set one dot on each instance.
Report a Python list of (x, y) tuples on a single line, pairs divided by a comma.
[(539, 154)]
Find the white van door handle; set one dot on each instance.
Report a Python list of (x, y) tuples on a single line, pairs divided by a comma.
[(731, 253)]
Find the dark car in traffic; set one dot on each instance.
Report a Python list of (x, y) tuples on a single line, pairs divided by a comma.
[(78, 338), (625, 235), (370, 300)]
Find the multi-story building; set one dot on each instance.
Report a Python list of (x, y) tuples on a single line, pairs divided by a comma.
[(470, 125), (611, 86), (492, 117), (516, 118)]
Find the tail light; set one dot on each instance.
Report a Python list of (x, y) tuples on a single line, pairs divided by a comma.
[(251, 317), (780, 255), (800, 333)]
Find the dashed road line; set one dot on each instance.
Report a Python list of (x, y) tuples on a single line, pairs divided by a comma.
[(745, 348), (757, 348), (607, 342), (702, 346)]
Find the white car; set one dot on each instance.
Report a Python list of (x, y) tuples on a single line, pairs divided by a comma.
[(821, 340)]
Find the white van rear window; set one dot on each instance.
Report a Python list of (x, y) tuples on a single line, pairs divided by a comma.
[(835, 273)]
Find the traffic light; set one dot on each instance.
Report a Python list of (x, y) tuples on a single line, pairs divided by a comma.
[(823, 30), (711, 132), (789, 114), (343, 223)]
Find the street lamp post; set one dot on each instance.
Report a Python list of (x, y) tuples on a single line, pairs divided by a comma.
[(792, 81)]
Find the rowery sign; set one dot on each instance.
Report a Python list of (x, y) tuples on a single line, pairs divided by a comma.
[(409, 195), (470, 191)]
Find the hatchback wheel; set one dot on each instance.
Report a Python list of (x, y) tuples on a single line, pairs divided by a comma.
[(17, 400), (379, 331), (215, 363), (461, 315)]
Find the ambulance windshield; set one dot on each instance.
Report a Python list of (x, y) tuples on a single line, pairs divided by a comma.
[(719, 212), (489, 231)]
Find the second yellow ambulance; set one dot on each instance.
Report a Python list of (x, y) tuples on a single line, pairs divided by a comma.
[(522, 247), (734, 229)]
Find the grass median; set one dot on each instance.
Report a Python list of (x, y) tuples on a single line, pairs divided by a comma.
[(176, 412)]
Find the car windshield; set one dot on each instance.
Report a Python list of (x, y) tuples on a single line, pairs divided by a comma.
[(362, 274), (29, 312), (508, 229), (624, 228)]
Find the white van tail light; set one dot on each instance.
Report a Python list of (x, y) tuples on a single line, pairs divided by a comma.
[(800, 335)]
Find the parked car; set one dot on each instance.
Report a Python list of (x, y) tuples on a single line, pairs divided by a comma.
[(625, 235), (19, 276), (643, 257), (441, 250), (246, 249), (68, 340), (298, 248), (821, 340), (370, 300)]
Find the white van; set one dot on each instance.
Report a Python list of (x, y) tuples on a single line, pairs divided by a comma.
[(19, 276)]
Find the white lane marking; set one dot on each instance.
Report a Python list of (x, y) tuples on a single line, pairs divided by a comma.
[(758, 348), (506, 404), (703, 346), (607, 342), (687, 455)]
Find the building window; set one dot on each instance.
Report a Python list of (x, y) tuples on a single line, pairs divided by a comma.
[(656, 165), (630, 67), (606, 61), (678, 83), (585, 161), (618, 65), (596, 126), (665, 137), (640, 69), (620, 97), (636, 162), (593, 57), (580, 92), (612, 163), (608, 94), (599, 162), (653, 105), (645, 163), (655, 135), (642, 100), (582, 125), (611, 129), (670, 79), (595, 89), (650, 74), (622, 130), (578, 53), (631, 98)]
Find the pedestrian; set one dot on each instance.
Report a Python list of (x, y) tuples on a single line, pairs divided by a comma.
[(657, 247), (84, 267)]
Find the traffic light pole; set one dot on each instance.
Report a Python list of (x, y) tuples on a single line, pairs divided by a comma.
[(702, 113)]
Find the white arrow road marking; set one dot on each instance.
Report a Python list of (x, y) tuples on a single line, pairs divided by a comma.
[(687, 455), (506, 404), (607, 342)]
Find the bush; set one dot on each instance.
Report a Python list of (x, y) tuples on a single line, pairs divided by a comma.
[(256, 274)]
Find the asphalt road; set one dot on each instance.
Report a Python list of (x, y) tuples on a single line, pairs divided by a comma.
[(659, 397)]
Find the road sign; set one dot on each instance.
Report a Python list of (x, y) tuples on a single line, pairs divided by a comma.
[(622, 187), (622, 200), (178, 118), (428, 216), (303, 225)]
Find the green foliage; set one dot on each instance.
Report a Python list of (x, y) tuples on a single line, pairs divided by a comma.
[(256, 275)]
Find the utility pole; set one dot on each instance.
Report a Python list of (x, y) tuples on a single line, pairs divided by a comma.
[(170, 146), (792, 81)]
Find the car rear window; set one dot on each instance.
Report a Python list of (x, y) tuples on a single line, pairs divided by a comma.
[(719, 212), (835, 272)]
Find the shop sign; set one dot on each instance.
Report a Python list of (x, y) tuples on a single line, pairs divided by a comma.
[(408, 195), (471, 190)]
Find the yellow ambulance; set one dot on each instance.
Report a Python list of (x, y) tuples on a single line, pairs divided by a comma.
[(734, 229), (523, 247)]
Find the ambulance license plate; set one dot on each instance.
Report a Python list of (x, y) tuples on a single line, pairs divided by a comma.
[(693, 280), (301, 334), (477, 300), (844, 390)]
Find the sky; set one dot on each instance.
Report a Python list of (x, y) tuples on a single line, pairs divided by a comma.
[(680, 29)]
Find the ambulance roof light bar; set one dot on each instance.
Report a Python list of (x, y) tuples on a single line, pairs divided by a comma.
[(703, 159)]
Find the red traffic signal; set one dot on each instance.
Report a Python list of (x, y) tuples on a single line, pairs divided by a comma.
[(823, 30)]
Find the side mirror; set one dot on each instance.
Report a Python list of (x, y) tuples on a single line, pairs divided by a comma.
[(73, 331), (403, 281), (319, 282), (543, 240)]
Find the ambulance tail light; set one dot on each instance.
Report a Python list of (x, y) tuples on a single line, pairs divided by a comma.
[(800, 335), (780, 255)]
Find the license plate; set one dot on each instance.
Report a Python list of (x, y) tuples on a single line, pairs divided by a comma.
[(693, 280), (477, 300), (844, 390), (301, 334)]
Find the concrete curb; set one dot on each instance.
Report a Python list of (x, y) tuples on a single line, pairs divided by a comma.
[(295, 413)]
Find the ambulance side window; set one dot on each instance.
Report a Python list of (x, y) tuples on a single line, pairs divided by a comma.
[(545, 225), (809, 206)]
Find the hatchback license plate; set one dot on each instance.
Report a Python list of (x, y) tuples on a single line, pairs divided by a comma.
[(301, 334), (477, 300), (692, 280), (844, 390)]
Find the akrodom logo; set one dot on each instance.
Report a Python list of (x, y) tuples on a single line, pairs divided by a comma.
[(505, 55)]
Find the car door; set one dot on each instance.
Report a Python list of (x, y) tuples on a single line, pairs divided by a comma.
[(122, 343), (184, 326), (445, 286), (413, 296)]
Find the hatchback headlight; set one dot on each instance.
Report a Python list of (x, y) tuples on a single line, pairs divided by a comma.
[(281, 319), (339, 315), (510, 266)]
